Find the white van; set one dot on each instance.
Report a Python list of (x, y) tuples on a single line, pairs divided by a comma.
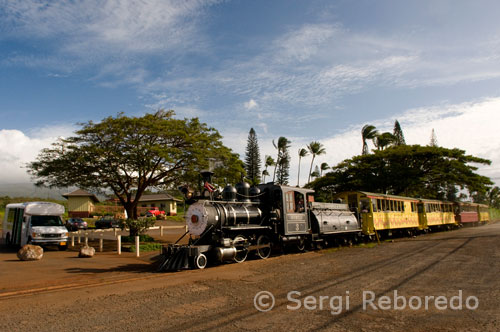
[(36, 223)]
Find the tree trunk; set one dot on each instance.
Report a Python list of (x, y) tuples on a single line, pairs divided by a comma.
[(310, 170), (298, 175)]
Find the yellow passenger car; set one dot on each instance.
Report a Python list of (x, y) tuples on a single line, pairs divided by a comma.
[(433, 213), (484, 213), (380, 212)]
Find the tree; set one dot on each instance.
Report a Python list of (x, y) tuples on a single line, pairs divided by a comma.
[(283, 171), (434, 141), (302, 153), (269, 163), (252, 158), (264, 174), (126, 155), (384, 140), (407, 170), (398, 134), (494, 197), (282, 147), (323, 167), (368, 132), (315, 149), (316, 173)]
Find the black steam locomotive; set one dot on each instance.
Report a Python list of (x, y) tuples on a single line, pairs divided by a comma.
[(229, 225)]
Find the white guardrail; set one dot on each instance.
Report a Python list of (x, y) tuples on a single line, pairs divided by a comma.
[(91, 233)]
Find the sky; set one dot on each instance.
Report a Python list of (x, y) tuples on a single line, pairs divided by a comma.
[(307, 70)]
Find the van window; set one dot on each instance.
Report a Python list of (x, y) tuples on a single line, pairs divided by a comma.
[(46, 221)]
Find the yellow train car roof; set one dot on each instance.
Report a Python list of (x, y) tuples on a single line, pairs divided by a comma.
[(378, 195)]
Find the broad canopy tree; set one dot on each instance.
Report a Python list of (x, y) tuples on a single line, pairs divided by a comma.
[(407, 170), (129, 154)]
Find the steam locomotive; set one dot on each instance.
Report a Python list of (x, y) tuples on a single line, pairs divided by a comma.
[(242, 220)]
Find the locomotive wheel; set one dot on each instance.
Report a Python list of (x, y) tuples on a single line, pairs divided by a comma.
[(264, 252), (301, 246), (241, 250), (200, 261)]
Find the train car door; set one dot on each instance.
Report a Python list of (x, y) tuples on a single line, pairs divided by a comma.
[(15, 217), (295, 213)]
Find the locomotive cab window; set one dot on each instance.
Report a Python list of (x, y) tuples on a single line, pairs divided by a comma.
[(295, 202)]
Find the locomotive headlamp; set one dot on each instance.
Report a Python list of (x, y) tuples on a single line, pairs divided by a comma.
[(194, 218)]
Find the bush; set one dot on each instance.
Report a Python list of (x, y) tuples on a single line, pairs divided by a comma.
[(139, 226)]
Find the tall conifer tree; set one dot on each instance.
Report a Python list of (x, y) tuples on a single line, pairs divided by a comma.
[(398, 134), (252, 158)]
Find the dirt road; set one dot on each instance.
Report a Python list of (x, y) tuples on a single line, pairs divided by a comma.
[(455, 273)]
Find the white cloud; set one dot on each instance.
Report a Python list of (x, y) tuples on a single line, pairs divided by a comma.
[(18, 148), (250, 104), (114, 38), (304, 42)]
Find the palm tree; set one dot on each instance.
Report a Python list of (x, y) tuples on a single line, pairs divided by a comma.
[(264, 174), (323, 167), (282, 146), (368, 132), (316, 149), (269, 162), (302, 153), (384, 140)]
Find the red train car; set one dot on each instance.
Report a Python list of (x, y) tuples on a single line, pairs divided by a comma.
[(466, 213)]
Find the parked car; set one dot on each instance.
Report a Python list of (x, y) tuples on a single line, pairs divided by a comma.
[(108, 222), (155, 212), (74, 224)]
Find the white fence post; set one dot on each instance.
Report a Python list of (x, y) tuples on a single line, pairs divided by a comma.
[(79, 239), (72, 240), (86, 239), (161, 230), (137, 246), (101, 243), (119, 241)]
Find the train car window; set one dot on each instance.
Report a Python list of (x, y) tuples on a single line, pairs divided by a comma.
[(365, 205), (290, 202), (310, 198), (379, 205), (299, 202), (295, 202), (374, 204)]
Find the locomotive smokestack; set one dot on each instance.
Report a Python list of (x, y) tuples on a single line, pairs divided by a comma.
[(207, 176)]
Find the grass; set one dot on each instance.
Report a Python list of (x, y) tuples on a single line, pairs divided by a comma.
[(360, 245), (151, 246)]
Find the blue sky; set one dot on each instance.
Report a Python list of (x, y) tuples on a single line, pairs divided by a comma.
[(307, 70)]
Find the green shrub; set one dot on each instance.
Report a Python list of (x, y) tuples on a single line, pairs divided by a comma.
[(139, 226), (151, 246)]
